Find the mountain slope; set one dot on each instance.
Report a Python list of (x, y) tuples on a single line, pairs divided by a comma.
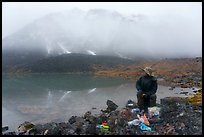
[(71, 63), (103, 32)]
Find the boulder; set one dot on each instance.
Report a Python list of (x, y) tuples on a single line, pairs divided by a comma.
[(24, 127), (111, 105), (72, 119)]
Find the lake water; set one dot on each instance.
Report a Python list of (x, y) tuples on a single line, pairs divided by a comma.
[(41, 98)]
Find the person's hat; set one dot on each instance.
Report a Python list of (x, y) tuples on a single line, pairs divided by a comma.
[(148, 71)]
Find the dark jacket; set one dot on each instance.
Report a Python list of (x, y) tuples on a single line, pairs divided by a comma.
[(147, 84)]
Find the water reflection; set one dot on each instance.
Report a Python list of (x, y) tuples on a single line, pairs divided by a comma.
[(91, 90), (45, 98), (62, 98), (49, 99)]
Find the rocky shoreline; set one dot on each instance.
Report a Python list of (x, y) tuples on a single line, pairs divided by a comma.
[(174, 116)]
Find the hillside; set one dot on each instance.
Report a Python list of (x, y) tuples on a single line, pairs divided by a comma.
[(69, 63), (184, 72)]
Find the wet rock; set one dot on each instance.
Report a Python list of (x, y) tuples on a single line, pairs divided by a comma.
[(87, 114), (90, 129), (9, 133), (79, 120), (176, 117), (121, 122), (184, 92), (184, 86), (37, 130), (92, 119), (168, 130), (195, 91), (5, 128), (111, 105), (172, 88), (24, 127), (103, 117), (168, 101), (48, 129), (66, 128), (53, 129), (169, 105), (78, 125), (72, 119), (181, 116), (126, 114), (112, 121)]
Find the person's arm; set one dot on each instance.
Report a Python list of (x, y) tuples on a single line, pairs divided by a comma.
[(138, 85), (153, 88)]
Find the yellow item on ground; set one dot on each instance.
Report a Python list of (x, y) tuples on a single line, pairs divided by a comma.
[(196, 99)]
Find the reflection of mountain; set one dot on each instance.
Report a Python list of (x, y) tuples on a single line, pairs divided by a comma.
[(41, 84)]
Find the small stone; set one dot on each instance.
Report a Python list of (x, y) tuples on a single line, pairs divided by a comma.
[(182, 125), (45, 133)]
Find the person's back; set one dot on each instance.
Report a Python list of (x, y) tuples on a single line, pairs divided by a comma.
[(147, 87)]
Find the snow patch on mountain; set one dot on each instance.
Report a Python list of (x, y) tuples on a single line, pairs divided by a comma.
[(121, 56), (91, 52), (63, 48)]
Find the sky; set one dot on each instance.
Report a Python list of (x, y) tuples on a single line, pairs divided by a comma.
[(183, 16), (15, 15)]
